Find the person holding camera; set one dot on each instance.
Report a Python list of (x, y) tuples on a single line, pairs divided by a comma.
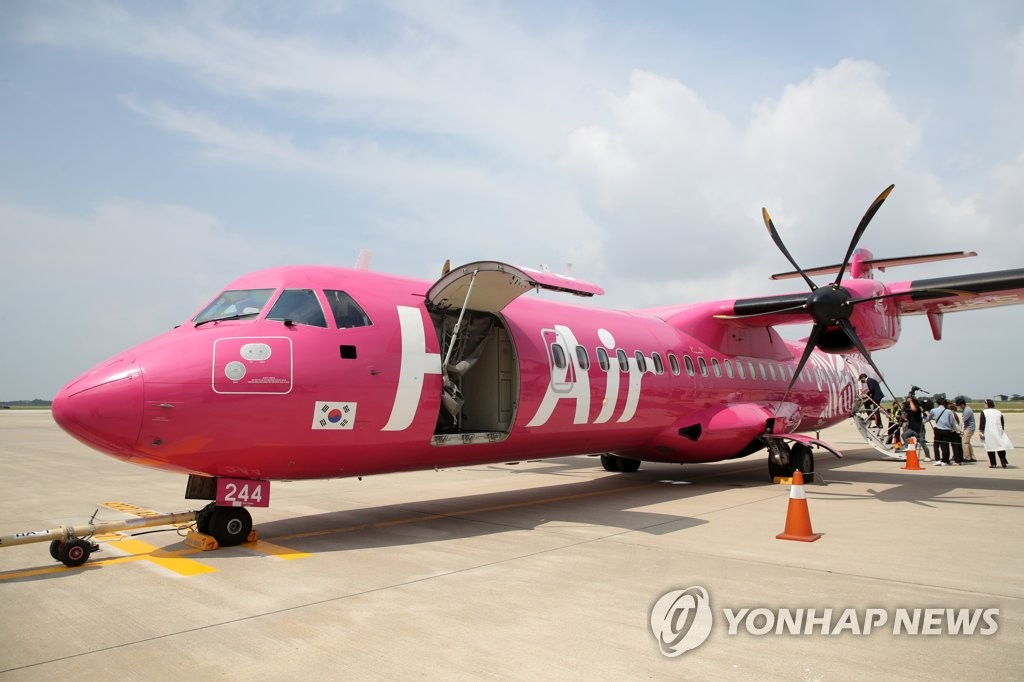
[(915, 425)]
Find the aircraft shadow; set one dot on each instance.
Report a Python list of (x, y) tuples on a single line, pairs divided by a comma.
[(594, 507)]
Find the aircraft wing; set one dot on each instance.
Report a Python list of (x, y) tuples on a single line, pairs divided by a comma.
[(917, 297), (960, 292)]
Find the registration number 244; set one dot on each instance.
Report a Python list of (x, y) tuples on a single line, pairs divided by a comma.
[(240, 492)]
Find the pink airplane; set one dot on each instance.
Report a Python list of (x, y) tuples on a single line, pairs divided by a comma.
[(319, 372)]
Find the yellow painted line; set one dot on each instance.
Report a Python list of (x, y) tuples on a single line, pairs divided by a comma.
[(172, 561), (129, 509), (28, 573), (258, 546), (264, 547), (176, 562)]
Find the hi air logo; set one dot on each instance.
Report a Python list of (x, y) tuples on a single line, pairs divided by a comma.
[(681, 620)]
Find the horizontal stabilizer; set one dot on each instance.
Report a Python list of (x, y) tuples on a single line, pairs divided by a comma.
[(881, 263)]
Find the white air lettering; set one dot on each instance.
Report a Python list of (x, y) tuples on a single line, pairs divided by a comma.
[(560, 387), (573, 382)]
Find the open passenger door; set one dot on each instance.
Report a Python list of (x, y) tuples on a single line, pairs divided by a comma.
[(479, 358)]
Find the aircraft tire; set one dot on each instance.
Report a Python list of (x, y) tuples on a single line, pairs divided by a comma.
[(55, 547), (610, 463), (75, 552), (230, 526), (802, 459), (628, 465)]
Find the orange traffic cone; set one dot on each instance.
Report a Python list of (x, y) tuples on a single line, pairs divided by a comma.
[(798, 519), (912, 462)]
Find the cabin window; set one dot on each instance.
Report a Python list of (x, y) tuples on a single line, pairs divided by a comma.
[(602, 359), (739, 369), (728, 368), (753, 373), (558, 356), (771, 370), (764, 375), (235, 304), (641, 361), (298, 306), (703, 367), (659, 366), (583, 358), (716, 368), (623, 361), (347, 312), (673, 363), (689, 365)]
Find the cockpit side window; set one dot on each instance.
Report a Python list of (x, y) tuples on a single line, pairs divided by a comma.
[(347, 312), (299, 306), (234, 304)]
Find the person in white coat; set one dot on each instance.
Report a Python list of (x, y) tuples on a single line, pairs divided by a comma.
[(993, 434)]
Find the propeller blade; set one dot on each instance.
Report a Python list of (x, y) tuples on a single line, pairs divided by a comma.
[(851, 333), (812, 341), (782, 247), (859, 232)]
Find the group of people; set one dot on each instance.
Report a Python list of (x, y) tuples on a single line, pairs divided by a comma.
[(953, 423)]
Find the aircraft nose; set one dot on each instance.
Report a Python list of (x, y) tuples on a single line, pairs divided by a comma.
[(103, 407)]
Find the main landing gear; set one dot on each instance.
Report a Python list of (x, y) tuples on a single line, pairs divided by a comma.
[(615, 463), (784, 459)]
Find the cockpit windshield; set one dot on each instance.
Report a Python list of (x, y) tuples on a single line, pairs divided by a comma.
[(234, 304)]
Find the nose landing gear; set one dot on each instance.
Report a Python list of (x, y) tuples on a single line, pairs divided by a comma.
[(229, 526)]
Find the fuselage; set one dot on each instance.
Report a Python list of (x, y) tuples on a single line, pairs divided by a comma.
[(346, 372)]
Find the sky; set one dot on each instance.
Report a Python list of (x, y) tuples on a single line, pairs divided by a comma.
[(151, 152)]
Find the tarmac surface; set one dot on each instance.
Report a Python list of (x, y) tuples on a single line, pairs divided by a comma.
[(540, 570)]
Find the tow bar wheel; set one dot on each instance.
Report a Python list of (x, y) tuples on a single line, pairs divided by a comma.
[(74, 552)]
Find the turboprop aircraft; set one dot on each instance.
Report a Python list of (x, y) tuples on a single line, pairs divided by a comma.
[(322, 372)]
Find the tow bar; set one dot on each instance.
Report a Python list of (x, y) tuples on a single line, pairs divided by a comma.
[(72, 545)]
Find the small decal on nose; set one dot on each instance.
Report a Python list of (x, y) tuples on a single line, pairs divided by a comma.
[(252, 365)]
